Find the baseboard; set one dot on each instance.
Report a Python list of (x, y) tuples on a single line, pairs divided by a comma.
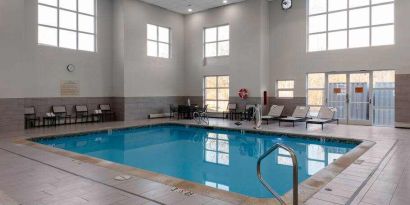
[(402, 125)]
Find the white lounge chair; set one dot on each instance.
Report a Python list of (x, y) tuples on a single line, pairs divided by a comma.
[(299, 115), (275, 113), (326, 115)]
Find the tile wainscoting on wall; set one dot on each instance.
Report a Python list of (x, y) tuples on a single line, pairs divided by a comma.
[(130, 108), (402, 100)]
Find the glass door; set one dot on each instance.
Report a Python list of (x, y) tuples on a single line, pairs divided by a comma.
[(359, 103), (337, 94), (384, 97)]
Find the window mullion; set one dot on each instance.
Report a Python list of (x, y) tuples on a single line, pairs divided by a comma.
[(327, 24), (58, 23), (370, 23), (77, 34), (348, 24)]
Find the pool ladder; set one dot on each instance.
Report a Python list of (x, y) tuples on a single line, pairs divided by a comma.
[(295, 173)]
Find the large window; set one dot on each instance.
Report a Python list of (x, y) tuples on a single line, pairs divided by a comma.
[(341, 24), (285, 88), (315, 92), (67, 24), (216, 41), (216, 93), (158, 43)]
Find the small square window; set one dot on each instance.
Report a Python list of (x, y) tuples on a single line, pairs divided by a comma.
[(285, 88), (216, 41), (158, 41)]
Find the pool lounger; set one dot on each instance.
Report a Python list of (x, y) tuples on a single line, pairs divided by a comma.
[(275, 113), (299, 115), (326, 115)]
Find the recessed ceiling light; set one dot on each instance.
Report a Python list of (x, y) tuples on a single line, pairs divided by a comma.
[(225, 1), (190, 10)]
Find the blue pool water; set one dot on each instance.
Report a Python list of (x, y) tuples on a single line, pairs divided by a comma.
[(218, 158)]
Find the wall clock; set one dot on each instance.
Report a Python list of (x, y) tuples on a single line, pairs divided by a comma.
[(286, 4), (70, 68)]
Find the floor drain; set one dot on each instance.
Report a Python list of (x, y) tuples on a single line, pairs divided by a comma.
[(328, 189), (122, 177)]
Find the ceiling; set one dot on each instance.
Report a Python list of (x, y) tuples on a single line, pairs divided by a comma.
[(181, 6)]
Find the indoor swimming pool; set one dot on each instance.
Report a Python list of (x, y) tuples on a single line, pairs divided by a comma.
[(219, 158)]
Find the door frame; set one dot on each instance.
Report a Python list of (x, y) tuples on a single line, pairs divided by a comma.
[(347, 105)]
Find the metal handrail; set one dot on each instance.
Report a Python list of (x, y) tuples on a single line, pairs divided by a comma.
[(295, 173)]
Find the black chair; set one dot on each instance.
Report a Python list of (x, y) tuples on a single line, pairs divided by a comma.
[(249, 111), (81, 112), (172, 110), (230, 111), (30, 118), (107, 113), (60, 112)]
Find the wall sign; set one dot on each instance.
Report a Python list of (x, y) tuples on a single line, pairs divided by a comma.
[(69, 88), (359, 90), (337, 90)]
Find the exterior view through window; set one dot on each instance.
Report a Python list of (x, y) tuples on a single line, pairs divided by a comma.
[(216, 93), (341, 24), (67, 24), (360, 97), (158, 41), (217, 41), (285, 88)]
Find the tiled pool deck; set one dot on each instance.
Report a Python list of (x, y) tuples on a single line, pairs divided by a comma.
[(31, 174)]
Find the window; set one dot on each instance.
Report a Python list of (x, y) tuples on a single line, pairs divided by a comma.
[(341, 24), (158, 41), (67, 24), (384, 97), (216, 93), (217, 41), (285, 88), (217, 148), (315, 92)]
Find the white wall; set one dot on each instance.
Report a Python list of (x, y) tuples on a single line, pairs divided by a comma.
[(30, 70), (246, 62), (147, 76), (289, 59)]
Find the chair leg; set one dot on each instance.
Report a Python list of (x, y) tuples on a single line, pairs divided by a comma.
[(322, 126)]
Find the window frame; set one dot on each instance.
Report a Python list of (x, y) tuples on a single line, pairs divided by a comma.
[(217, 41), (348, 29), (285, 89), (77, 31), (217, 88), (158, 42), (323, 89)]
